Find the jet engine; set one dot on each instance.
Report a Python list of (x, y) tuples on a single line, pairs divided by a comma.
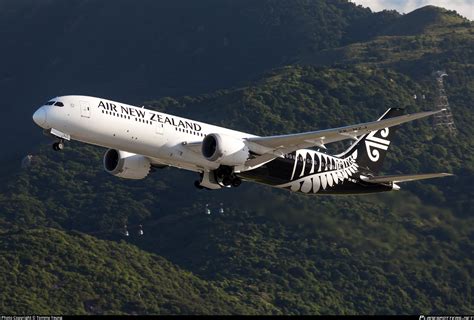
[(126, 165), (225, 150)]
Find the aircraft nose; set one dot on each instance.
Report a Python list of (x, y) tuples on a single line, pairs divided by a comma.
[(39, 117)]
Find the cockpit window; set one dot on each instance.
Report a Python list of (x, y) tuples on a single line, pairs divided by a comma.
[(59, 104), (50, 103)]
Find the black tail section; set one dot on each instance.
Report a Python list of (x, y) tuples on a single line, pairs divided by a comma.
[(372, 147)]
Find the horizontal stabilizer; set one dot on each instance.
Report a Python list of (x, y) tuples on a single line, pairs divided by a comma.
[(404, 177)]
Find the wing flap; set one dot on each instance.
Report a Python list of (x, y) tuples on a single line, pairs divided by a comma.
[(404, 177)]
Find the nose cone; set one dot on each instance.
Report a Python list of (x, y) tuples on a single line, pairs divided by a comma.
[(39, 117)]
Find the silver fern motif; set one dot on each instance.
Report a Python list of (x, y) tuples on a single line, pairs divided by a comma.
[(330, 171)]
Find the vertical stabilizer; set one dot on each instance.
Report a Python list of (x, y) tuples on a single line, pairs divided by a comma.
[(371, 148)]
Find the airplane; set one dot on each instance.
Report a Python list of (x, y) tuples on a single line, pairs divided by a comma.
[(140, 140)]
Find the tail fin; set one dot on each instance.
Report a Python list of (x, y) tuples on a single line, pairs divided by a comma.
[(372, 147)]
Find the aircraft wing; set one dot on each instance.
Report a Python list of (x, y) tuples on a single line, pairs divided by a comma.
[(404, 177), (271, 147), (282, 144), (319, 138)]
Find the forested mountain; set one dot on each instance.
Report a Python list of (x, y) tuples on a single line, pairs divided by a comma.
[(265, 67)]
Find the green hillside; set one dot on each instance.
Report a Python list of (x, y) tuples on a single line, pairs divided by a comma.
[(295, 253), (51, 272), (424, 20), (302, 65), (444, 40)]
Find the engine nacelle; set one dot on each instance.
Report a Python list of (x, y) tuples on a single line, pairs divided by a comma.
[(126, 165), (225, 149)]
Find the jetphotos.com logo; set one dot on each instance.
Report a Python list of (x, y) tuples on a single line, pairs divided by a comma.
[(446, 317)]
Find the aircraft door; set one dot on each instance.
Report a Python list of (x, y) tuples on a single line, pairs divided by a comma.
[(85, 109), (159, 128)]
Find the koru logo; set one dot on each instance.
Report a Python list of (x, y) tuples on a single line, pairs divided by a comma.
[(374, 144)]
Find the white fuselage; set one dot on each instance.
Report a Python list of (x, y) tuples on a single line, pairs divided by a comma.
[(159, 136)]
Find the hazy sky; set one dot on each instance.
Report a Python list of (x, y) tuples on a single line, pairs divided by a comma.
[(463, 7)]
